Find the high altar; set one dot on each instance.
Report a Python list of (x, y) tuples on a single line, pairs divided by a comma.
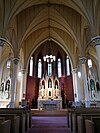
[(49, 94)]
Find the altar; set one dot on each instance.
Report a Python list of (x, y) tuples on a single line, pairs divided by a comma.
[(49, 104), (49, 94)]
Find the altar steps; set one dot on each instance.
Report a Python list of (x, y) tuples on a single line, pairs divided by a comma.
[(36, 112)]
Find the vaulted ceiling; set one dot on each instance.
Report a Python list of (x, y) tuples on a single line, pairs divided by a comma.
[(26, 24)]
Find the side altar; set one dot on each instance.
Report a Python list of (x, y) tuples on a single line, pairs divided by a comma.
[(49, 94)]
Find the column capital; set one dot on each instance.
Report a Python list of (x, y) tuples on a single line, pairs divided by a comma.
[(96, 40), (82, 60), (23, 71), (1, 43), (75, 70), (16, 60)]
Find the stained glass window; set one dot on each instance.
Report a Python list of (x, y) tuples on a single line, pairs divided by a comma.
[(39, 68), (59, 67), (68, 66), (31, 67), (49, 69)]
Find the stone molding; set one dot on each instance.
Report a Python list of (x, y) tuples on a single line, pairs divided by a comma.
[(96, 40), (82, 60)]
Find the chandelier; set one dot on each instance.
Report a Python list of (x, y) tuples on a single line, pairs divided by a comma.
[(49, 57)]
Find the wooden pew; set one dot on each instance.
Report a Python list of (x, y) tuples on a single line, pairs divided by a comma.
[(81, 121), (68, 113), (28, 115), (96, 121), (14, 121), (5, 126), (2, 119), (27, 112), (76, 112), (18, 113), (89, 125), (93, 125), (69, 110)]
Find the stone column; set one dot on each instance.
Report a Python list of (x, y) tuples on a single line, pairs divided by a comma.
[(75, 85), (84, 82), (96, 40), (24, 79), (79, 87), (20, 87), (1, 46), (13, 81)]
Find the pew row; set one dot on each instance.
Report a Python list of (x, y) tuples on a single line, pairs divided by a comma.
[(14, 121), (2, 119), (25, 117), (93, 125), (89, 126), (74, 113), (81, 121), (5, 126)]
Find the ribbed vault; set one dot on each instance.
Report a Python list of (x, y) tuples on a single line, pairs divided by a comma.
[(25, 23)]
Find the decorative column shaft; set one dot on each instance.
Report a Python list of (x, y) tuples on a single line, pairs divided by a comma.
[(13, 81), (84, 81), (75, 85), (96, 40)]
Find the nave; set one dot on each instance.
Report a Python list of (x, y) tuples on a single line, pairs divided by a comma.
[(49, 61)]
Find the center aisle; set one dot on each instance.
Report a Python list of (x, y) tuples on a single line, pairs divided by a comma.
[(49, 124)]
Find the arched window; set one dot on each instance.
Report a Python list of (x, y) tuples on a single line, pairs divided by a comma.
[(68, 66), (31, 67), (39, 68), (49, 69), (59, 67)]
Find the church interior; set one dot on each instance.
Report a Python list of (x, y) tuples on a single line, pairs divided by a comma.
[(50, 59)]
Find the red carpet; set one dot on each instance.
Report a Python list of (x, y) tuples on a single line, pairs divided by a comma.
[(49, 124)]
